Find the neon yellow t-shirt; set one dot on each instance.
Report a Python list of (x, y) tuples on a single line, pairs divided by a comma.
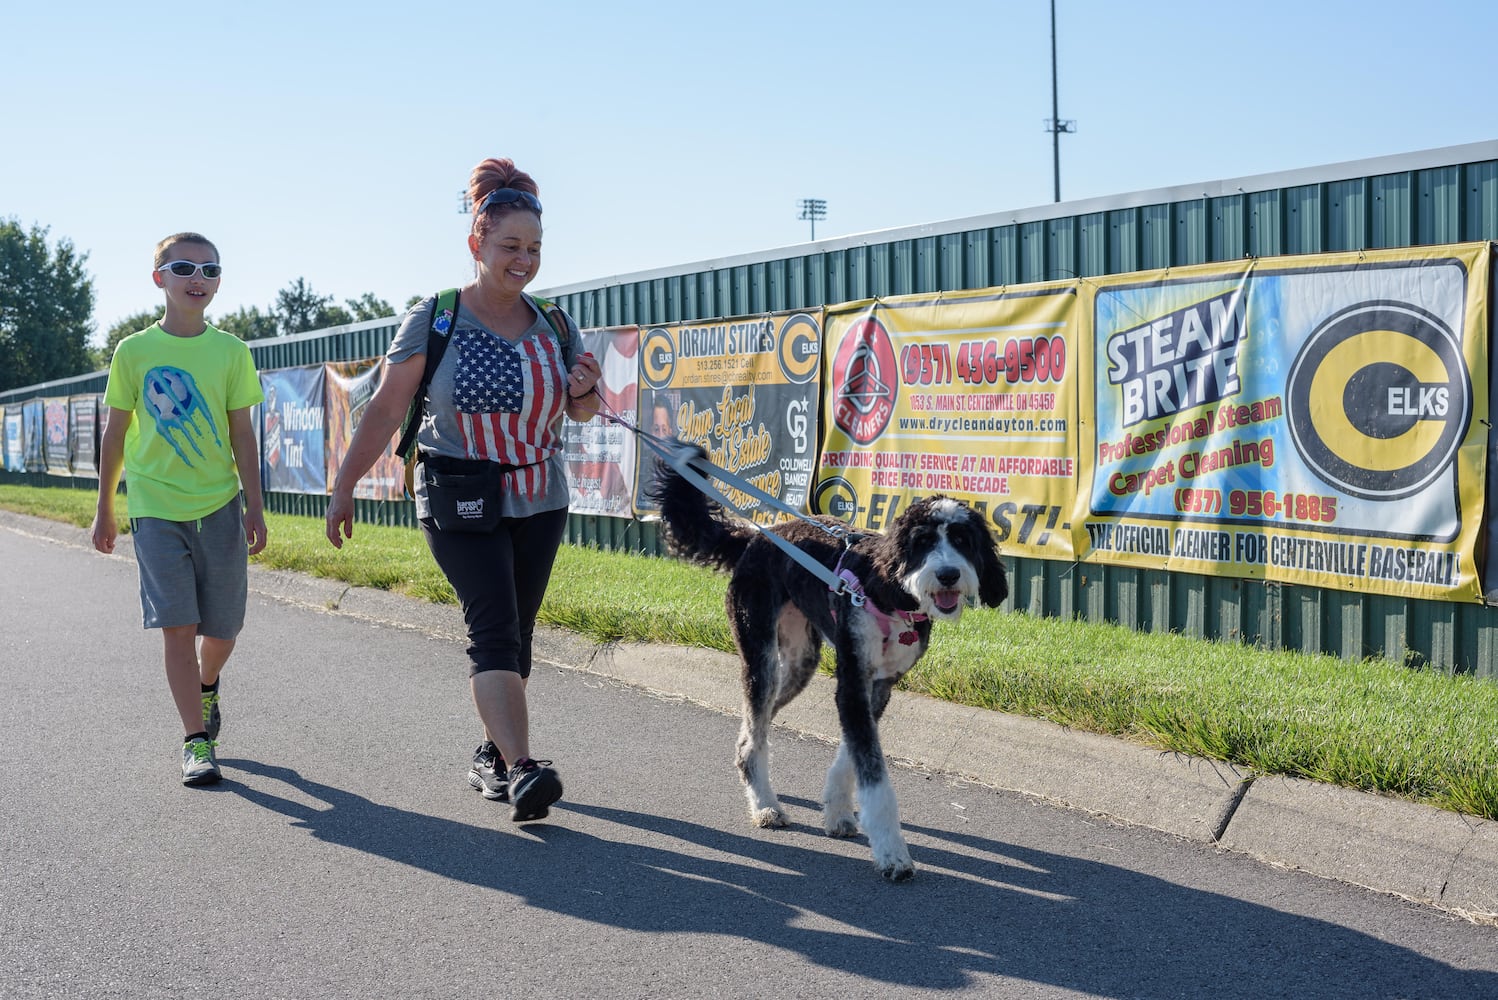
[(179, 463)]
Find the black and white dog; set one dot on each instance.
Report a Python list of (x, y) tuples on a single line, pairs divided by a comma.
[(936, 557)]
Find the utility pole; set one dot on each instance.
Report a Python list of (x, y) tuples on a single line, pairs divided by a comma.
[(813, 209), (1054, 124)]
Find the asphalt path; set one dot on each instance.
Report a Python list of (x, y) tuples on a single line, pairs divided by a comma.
[(344, 855)]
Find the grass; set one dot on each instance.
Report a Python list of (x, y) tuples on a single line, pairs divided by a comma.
[(1372, 724)]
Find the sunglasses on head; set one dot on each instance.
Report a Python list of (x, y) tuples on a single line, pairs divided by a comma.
[(508, 196), (185, 269)]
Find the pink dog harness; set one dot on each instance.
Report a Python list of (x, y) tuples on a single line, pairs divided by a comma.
[(907, 636)]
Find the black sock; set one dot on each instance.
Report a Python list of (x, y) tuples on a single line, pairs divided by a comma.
[(210, 687), (194, 736)]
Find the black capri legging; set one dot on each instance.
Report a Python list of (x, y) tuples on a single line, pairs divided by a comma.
[(500, 578)]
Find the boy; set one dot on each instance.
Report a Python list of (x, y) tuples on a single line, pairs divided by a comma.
[(179, 398)]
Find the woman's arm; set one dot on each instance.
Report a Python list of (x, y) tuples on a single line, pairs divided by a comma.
[(382, 418)]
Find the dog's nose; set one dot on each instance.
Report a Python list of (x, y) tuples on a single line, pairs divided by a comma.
[(948, 575)]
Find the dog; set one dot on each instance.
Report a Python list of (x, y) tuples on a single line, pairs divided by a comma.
[(935, 558)]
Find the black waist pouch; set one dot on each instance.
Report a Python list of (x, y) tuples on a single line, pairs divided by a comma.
[(462, 494)]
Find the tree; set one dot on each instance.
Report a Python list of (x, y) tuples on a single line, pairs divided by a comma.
[(331, 315), (46, 301), (299, 308), (248, 324), (369, 307)]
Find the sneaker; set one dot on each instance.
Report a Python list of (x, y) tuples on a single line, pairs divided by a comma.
[(198, 765), (212, 718), (534, 786), (488, 775)]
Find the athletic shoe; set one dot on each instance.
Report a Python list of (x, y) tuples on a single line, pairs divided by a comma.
[(488, 775), (212, 718), (198, 765), (534, 786)]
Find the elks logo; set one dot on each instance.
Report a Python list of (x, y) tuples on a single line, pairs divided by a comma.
[(1379, 400), (836, 496), (657, 357), (800, 348), (865, 381)]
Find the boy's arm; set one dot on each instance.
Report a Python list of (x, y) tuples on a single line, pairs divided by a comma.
[(247, 461), (111, 464)]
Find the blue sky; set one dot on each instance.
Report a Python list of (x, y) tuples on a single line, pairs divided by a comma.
[(331, 142)]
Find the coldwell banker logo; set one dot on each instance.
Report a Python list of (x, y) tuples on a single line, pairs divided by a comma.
[(866, 381), (1379, 399)]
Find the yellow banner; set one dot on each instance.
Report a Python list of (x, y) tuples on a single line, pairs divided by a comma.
[(1312, 420), (745, 390), (968, 394)]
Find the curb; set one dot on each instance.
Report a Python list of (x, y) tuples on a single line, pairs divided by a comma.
[(1427, 855)]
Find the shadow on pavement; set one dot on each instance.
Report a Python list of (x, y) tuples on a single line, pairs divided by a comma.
[(977, 906)]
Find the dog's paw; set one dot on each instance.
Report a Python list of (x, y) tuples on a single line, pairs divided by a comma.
[(771, 818), (892, 858), (898, 871), (845, 825)]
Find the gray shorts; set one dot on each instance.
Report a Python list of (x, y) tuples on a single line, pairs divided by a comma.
[(193, 572)]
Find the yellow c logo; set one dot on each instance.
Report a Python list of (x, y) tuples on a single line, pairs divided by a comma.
[(657, 357), (800, 348), (1379, 399)]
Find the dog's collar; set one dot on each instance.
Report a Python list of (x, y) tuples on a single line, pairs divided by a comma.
[(908, 635)]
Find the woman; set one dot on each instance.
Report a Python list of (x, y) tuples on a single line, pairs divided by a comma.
[(491, 426)]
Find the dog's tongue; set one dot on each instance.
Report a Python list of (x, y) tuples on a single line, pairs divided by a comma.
[(947, 600)]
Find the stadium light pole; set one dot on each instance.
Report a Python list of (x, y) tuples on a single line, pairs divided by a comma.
[(1054, 124), (813, 209)]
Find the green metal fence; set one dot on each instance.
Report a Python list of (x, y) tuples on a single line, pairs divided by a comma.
[(1433, 197)]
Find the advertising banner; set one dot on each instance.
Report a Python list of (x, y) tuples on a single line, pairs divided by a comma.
[(55, 442), (600, 454), (15, 455), (743, 389), (968, 394), (350, 386), (34, 435), (1307, 420), (83, 433), (292, 431)]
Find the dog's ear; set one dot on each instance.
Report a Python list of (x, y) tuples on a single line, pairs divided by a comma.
[(993, 582), (897, 542)]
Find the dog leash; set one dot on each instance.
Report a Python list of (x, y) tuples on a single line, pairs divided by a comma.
[(698, 471)]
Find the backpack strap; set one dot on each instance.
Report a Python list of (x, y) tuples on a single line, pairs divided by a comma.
[(558, 320), (444, 318)]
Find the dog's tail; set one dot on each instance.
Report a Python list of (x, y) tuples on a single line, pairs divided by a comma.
[(697, 527)]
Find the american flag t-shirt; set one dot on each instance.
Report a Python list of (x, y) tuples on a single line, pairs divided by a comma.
[(508, 400)]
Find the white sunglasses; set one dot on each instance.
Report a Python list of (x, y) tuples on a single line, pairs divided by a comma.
[(186, 269)]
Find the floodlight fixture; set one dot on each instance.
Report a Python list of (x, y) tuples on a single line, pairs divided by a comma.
[(813, 209)]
